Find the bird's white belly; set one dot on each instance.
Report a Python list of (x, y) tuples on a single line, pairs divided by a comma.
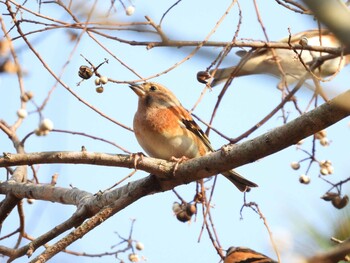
[(162, 147)]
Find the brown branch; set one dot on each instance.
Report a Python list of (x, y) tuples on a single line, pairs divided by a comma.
[(229, 157), (158, 29), (126, 195), (76, 219), (21, 223), (222, 55), (19, 175), (237, 43), (46, 192), (336, 254), (172, 43), (338, 24)]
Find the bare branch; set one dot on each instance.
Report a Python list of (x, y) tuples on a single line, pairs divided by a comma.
[(230, 156), (336, 254)]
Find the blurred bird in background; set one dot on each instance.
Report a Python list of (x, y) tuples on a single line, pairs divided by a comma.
[(262, 60)]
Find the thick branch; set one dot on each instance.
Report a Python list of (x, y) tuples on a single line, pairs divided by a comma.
[(123, 197), (228, 157), (71, 196), (75, 220), (335, 15), (337, 254), (237, 43), (10, 202)]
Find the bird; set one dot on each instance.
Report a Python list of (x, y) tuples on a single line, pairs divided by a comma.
[(246, 255), (262, 60), (166, 130)]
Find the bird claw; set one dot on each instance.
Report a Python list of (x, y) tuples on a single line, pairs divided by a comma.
[(178, 161), (138, 157)]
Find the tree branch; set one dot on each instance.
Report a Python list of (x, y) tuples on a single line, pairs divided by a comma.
[(335, 15), (70, 196), (336, 254), (228, 157)]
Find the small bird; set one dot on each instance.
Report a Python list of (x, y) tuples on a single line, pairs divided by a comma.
[(166, 130), (246, 255), (262, 60)]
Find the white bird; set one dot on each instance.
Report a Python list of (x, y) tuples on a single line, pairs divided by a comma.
[(262, 60)]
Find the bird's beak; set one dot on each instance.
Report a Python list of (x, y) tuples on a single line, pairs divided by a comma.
[(138, 89)]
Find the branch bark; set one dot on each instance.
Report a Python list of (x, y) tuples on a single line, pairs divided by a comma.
[(336, 254), (335, 15), (198, 168), (107, 204), (228, 157)]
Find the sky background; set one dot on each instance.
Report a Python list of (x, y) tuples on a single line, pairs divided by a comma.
[(285, 203)]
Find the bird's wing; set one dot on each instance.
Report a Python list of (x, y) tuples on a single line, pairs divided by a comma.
[(192, 126)]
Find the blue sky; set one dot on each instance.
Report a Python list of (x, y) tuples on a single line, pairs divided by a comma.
[(280, 196)]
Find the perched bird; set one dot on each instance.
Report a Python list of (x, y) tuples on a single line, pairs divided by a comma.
[(166, 130), (262, 60), (246, 255)]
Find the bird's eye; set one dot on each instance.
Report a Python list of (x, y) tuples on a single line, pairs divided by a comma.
[(153, 88)]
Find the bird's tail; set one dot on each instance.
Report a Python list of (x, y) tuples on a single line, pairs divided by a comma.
[(239, 181)]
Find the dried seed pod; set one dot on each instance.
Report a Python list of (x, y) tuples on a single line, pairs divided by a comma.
[(22, 113), (329, 196), (134, 257), (300, 142), (130, 10), (46, 132), (330, 169), (339, 202), (176, 208), (139, 246), (97, 81), (184, 211), (304, 179), (326, 167), (295, 165), (38, 132), (85, 72), (324, 141), (324, 171), (320, 134), (46, 125), (198, 198), (99, 89), (182, 216), (325, 163), (9, 67), (103, 80), (29, 94), (24, 97), (191, 209)]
